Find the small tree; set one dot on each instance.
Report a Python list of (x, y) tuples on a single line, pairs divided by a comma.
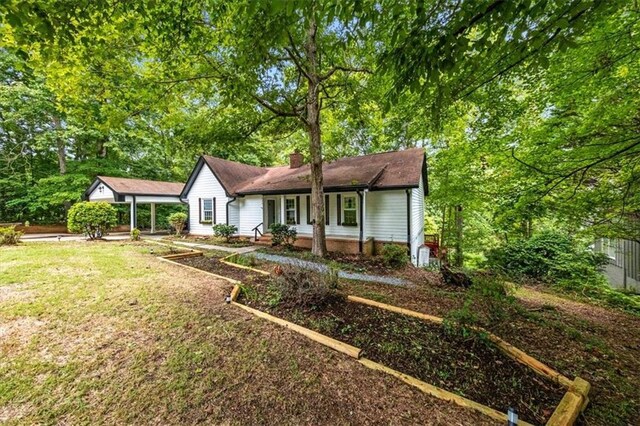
[(93, 219), (226, 231), (178, 220)]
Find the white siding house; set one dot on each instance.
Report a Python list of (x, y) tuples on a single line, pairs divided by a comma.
[(376, 198), (207, 203)]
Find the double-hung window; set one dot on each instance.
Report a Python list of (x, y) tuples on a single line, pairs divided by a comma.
[(349, 211), (207, 210), (290, 211)]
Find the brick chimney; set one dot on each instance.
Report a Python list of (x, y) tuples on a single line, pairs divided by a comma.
[(295, 160)]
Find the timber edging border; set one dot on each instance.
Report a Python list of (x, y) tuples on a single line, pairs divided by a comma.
[(572, 404)]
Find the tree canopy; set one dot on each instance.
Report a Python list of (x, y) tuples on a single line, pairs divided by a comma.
[(527, 109)]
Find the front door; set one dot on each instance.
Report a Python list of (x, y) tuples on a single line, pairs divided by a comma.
[(271, 213)]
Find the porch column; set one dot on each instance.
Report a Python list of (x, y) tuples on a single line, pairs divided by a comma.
[(364, 214), (133, 213), (153, 218), (282, 210)]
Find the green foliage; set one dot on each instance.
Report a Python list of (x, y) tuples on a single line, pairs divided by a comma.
[(178, 221), (488, 302), (295, 287), (135, 234), (93, 219), (9, 236), (597, 288), (225, 231), (395, 255), (547, 256), (282, 234)]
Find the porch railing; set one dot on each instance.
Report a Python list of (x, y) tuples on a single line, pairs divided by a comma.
[(256, 231)]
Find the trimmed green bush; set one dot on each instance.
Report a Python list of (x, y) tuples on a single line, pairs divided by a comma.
[(92, 219), (224, 231), (9, 236), (135, 234), (395, 255), (282, 234), (178, 221)]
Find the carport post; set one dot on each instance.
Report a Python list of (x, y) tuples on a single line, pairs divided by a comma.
[(133, 213), (153, 218)]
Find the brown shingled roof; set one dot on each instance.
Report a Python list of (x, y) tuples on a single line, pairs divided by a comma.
[(125, 186), (398, 169)]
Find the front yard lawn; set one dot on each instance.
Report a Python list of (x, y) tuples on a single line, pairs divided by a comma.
[(104, 333)]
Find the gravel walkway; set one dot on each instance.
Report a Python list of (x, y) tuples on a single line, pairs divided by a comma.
[(320, 267)]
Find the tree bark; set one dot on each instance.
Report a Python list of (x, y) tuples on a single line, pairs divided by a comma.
[(319, 245), (61, 147), (459, 260)]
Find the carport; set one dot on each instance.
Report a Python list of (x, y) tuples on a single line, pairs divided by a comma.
[(116, 190)]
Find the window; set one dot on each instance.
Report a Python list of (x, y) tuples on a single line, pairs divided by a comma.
[(349, 211), (207, 210), (290, 211)]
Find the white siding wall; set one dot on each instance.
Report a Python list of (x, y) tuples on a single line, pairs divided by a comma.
[(234, 214), (387, 215), (105, 195), (333, 229), (205, 186), (417, 220), (250, 209)]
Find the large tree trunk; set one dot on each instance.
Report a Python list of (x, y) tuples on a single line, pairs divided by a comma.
[(319, 244)]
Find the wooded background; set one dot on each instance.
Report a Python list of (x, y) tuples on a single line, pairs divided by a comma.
[(529, 110)]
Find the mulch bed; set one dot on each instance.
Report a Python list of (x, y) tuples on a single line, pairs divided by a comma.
[(467, 366), (212, 264)]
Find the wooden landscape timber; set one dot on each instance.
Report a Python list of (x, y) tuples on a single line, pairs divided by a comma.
[(574, 401), (183, 255), (572, 404), (228, 260), (508, 349), (439, 393), (337, 345)]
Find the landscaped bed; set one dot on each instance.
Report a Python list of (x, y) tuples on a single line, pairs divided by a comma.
[(214, 265), (468, 366)]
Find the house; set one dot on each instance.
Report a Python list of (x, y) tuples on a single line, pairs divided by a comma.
[(371, 200), (623, 269), (117, 190)]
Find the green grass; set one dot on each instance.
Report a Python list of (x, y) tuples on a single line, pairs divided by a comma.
[(103, 333)]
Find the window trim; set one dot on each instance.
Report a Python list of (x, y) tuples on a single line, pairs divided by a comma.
[(287, 210), (345, 209), (203, 211)]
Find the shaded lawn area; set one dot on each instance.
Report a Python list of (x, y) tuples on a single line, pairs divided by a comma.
[(104, 333)]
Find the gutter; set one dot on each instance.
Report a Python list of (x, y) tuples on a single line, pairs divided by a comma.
[(227, 208), (409, 221), (361, 236)]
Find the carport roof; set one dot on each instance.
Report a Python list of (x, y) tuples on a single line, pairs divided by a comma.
[(126, 186)]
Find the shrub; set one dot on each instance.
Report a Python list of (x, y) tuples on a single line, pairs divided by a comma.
[(93, 219), (547, 257), (9, 236), (282, 234), (225, 231), (178, 220), (135, 234), (488, 302), (294, 287), (395, 255)]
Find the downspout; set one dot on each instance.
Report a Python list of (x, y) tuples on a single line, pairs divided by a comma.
[(409, 221), (186, 201), (360, 220), (229, 202)]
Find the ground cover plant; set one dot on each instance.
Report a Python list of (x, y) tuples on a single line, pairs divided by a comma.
[(9, 235), (108, 334)]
